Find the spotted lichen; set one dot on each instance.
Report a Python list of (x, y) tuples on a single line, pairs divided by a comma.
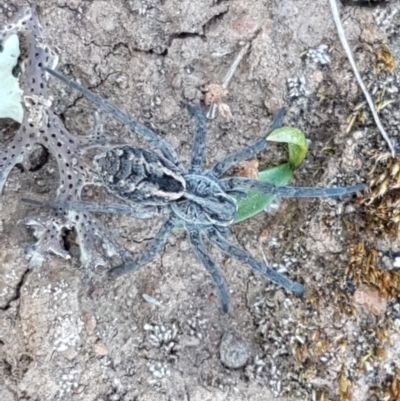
[(40, 126)]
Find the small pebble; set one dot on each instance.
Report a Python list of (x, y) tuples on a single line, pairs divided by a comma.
[(233, 351), (69, 354), (100, 349), (40, 183)]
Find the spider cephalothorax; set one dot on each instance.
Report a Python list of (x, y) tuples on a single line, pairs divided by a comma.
[(154, 183)]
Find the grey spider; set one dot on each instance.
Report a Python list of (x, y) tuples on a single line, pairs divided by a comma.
[(155, 183)]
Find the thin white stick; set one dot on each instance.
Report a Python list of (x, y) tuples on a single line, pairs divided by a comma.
[(213, 109), (345, 44), (234, 66)]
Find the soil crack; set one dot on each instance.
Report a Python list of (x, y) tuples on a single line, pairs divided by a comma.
[(17, 291)]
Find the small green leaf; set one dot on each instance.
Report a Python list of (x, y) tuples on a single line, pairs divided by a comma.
[(255, 202), (296, 141)]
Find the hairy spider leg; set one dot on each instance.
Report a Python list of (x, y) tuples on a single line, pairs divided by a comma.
[(365, 3), (217, 240), (155, 247), (137, 211), (200, 251), (248, 152), (236, 183), (199, 138), (140, 129)]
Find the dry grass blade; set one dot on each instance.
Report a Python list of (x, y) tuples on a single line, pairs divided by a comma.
[(345, 44)]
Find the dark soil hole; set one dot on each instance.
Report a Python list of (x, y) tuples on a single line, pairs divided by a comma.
[(62, 117), (70, 242), (6, 367), (23, 363), (20, 167), (16, 71), (38, 158)]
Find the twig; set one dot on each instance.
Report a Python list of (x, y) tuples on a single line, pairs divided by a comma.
[(234, 66), (345, 44)]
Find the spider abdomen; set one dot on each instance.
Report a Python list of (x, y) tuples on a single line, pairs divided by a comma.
[(140, 175), (206, 203)]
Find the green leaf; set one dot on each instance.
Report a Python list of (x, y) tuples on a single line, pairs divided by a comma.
[(255, 202), (296, 141)]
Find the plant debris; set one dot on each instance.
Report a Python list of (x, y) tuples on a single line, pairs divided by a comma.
[(362, 270)]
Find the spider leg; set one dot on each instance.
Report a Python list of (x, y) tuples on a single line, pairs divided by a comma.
[(138, 211), (140, 129), (233, 184), (199, 249), (239, 194), (155, 247), (217, 239), (248, 152), (199, 138)]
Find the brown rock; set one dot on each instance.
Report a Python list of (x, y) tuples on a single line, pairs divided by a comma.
[(370, 299), (100, 349)]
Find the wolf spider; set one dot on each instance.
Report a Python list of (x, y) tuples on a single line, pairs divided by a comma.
[(155, 183)]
